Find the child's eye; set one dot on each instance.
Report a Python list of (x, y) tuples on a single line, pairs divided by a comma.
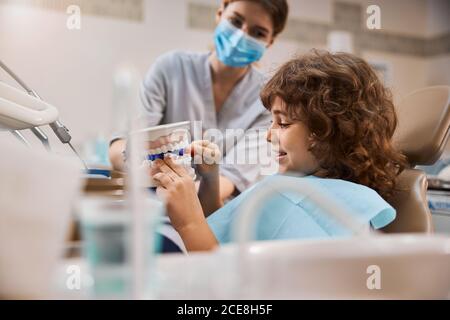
[(283, 125)]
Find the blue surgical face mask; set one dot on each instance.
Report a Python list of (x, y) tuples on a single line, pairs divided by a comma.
[(234, 47)]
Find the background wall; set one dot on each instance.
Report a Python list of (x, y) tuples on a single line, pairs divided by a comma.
[(74, 69)]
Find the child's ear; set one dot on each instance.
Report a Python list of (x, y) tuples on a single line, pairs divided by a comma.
[(312, 139)]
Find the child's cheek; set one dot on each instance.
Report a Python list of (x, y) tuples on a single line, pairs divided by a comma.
[(285, 141)]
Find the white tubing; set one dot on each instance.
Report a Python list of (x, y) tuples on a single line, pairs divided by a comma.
[(19, 110)]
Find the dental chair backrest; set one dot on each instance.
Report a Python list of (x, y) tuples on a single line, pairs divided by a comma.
[(424, 121)]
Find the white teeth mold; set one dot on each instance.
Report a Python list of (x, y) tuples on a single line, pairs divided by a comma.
[(169, 139)]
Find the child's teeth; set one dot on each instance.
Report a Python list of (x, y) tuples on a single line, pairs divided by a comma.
[(187, 161), (158, 151)]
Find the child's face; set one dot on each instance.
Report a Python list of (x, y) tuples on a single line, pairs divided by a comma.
[(291, 140)]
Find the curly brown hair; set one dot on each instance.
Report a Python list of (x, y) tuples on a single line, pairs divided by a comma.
[(349, 112)]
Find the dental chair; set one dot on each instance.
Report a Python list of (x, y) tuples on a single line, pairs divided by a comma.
[(424, 120)]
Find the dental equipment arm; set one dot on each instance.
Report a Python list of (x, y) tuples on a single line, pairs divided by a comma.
[(20, 111), (36, 131)]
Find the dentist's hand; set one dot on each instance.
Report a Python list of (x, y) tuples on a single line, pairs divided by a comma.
[(176, 187), (206, 157)]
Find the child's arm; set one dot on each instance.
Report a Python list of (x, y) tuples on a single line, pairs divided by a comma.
[(198, 237), (177, 188)]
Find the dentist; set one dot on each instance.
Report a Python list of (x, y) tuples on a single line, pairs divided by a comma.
[(220, 88)]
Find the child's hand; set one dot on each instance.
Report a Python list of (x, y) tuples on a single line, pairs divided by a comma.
[(206, 156), (176, 187)]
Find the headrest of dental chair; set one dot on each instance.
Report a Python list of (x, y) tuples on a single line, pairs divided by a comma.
[(424, 121)]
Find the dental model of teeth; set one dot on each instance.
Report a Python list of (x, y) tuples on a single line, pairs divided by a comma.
[(169, 140)]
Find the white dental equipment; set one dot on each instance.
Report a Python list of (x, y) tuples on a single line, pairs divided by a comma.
[(310, 269), (20, 110), (34, 220)]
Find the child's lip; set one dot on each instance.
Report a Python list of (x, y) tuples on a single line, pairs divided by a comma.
[(278, 151), (280, 154)]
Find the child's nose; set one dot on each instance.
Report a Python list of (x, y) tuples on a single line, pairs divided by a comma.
[(269, 135)]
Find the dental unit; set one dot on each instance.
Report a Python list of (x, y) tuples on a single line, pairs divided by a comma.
[(20, 110), (311, 268)]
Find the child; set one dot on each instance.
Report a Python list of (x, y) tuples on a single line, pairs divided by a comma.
[(332, 123)]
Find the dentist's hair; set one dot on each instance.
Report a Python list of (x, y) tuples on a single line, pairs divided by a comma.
[(277, 9), (349, 112)]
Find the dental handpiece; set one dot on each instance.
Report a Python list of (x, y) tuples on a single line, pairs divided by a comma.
[(63, 135), (61, 132)]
